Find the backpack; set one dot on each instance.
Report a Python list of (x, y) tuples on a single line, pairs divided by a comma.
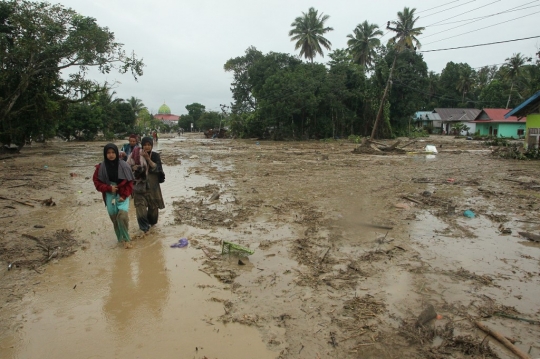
[(161, 177)]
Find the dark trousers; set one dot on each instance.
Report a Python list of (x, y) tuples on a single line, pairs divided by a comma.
[(147, 214)]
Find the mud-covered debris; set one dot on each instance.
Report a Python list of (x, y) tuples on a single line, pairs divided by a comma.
[(214, 197), (48, 202), (426, 316), (530, 236)]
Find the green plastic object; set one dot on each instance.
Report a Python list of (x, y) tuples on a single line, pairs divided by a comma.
[(228, 247)]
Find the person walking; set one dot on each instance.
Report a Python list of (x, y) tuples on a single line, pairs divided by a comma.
[(127, 148), (114, 179), (148, 172)]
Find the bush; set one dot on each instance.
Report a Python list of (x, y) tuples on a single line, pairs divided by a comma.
[(497, 141), (354, 139)]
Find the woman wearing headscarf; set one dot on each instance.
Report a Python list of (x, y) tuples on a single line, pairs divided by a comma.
[(114, 179), (148, 171)]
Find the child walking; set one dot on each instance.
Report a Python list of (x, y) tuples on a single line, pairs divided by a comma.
[(114, 179)]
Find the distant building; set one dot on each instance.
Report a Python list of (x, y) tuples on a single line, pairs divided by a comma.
[(451, 116), (428, 120), (491, 122), (164, 115)]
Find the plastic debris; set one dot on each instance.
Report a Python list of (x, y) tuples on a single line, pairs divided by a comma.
[(228, 247), (431, 149), (469, 214), (45, 166), (181, 243)]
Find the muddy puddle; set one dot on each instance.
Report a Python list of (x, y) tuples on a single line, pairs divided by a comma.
[(152, 301)]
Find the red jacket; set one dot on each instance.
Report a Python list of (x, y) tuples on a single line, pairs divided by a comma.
[(125, 188)]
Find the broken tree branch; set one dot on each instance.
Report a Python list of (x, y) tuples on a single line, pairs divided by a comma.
[(503, 340), (20, 202)]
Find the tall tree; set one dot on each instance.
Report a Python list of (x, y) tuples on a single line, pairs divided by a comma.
[(465, 81), (363, 41), (38, 41), (513, 66), (136, 105), (196, 110), (405, 38), (308, 32)]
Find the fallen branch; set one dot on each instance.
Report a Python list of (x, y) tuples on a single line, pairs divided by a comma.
[(14, 200), (375, 226), (503, 340), (517, 318), (530, 236), (408, 143), (411, 199), (324, 256)]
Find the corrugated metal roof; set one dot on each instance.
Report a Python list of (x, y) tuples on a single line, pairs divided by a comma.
[(496, 115), (525, 107), (427, 116), (457, 114)]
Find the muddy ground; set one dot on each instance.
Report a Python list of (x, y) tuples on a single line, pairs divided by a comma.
[(349, 249)]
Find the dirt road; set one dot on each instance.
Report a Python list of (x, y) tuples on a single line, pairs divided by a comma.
[(349, 249)]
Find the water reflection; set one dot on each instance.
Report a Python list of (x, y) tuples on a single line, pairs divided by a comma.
[(139, 290)]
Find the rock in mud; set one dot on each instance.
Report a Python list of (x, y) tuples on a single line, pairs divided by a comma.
[(428, 314)]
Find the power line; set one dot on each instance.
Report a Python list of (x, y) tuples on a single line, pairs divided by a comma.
[(438, 6), (465, 33), (466, 12), (449, 8), (486, 16), (483, 18), (477, 45)]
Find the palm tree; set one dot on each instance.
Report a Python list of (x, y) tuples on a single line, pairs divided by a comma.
[(513, 67), (405, 38), (136, 105), (363, 43), (308, 31), (465, 81)]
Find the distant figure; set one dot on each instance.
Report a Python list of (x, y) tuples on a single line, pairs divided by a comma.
[(155, 136), (127, 148)]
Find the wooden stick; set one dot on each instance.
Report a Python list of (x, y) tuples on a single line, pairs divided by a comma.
[(503, 340), (411, 199), (14, 200), (375, 226), (324, 256)]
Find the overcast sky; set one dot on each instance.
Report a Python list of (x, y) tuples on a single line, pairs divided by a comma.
[(185, 43)]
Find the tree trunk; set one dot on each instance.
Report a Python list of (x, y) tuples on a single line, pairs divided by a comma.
[(510, 95), (381, 107)]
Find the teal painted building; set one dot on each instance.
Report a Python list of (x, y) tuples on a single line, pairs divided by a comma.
[(492, 122)]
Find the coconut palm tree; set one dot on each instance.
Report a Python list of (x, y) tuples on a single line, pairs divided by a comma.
[(513, 67), (136, 105), (363, 42), (405, 38), (308, 31), (465, 81)]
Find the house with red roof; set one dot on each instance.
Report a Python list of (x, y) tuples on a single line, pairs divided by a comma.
[(492, 122)]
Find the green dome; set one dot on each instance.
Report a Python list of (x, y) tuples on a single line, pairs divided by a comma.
[(164, 110)]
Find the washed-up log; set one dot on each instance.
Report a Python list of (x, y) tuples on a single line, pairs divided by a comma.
[(530, 236), (375, 226), (503, 340), (20, 202), (395, 144)]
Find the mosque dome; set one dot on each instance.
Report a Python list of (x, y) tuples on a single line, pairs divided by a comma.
[(164, 110)]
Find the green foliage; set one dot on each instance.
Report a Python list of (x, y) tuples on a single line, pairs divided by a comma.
[(208, 120), (185, 122), (38, 41), (308, 32), (458, 128), (195, 110), (354, 139), (517, 152), (497, 141)]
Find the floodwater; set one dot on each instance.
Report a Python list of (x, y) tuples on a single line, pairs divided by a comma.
[(150, 301)]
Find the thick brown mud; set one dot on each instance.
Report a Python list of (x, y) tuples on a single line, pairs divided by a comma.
[(348, 251)]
